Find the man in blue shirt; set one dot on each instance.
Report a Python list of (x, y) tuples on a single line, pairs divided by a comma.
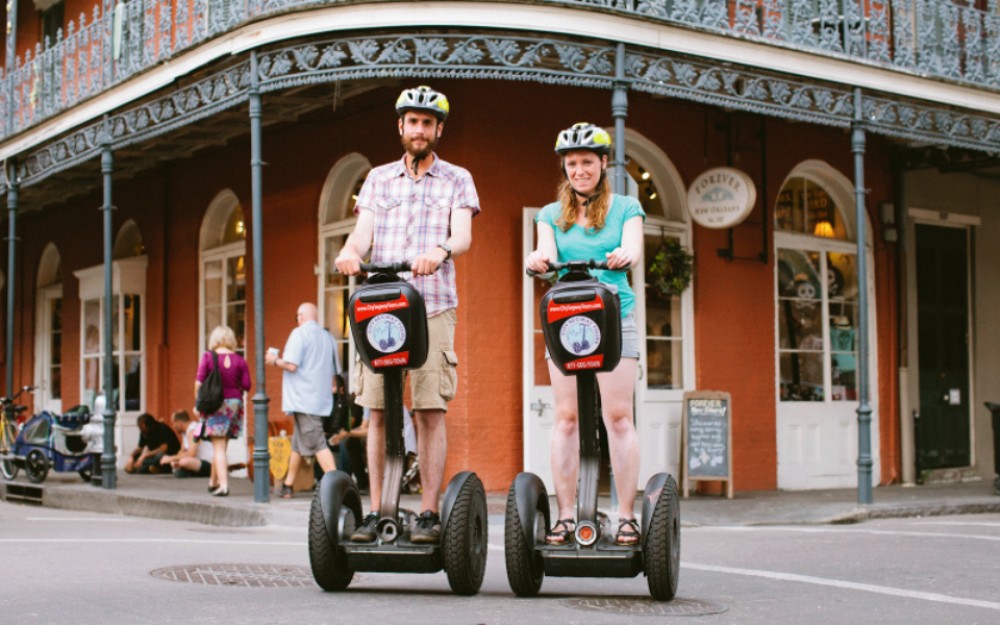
[(306, 391)]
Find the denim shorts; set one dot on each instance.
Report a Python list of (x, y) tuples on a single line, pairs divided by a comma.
[(630, 338)]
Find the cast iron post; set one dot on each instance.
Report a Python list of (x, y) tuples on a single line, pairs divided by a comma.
[(109, 479), (864, 407), (619, 111), (13, 186), (261, 457)]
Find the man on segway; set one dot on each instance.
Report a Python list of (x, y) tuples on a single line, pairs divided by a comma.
[(417, 210)]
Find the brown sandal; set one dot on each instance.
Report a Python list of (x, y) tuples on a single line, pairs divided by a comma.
[(562, 536), (628, 533)]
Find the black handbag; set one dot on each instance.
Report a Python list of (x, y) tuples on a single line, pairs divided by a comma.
[(209, 398)]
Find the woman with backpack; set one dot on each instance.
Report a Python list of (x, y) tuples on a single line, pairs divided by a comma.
[(223, 377)]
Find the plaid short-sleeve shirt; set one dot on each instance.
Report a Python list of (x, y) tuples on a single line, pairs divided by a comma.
[(412, 217)]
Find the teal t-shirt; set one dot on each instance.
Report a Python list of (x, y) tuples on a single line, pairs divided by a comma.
[(579, 243)]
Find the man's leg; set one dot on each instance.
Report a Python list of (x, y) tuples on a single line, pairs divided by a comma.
[(294, 462), (324, 458), (376, 457), (432, 449)]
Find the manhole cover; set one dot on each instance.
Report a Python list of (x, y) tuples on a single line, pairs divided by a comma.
[(646, 607), (270, 575)]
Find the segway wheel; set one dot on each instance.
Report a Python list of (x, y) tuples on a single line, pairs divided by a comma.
[(36, 466), (525, 570), (466, 539), (326, 555), (662, 546), (8, 468)]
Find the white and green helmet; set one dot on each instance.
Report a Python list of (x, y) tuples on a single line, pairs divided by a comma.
[(583, 136), (423, 98)]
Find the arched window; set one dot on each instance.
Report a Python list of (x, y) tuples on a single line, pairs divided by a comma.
[(128, 243), (336, 220), (817, 286), (49, 330), (223, 269)]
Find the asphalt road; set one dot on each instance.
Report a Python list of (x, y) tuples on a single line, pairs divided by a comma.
[(72, 567)]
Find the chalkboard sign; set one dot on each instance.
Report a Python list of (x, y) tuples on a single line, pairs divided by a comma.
[(707, 438)]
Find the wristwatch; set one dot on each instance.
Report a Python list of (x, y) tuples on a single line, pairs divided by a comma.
[(447, 250)]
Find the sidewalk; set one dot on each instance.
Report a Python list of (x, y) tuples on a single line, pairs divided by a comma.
[(165, 497)]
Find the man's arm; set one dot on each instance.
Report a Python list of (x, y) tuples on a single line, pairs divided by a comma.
[(459, 241), (348, 262)]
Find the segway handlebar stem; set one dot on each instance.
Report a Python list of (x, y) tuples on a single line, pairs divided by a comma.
[(386, 267)]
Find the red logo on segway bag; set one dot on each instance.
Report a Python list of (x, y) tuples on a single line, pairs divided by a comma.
[(583, 364), (364, 310), (392, 360), (555, 311)]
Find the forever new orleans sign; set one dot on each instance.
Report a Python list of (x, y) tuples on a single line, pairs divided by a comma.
[(721, 197)]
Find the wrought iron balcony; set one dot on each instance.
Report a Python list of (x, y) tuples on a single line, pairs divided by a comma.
[(955, 40)]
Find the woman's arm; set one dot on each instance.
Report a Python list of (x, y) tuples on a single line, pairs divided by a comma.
[(629, 253), (545, 251)]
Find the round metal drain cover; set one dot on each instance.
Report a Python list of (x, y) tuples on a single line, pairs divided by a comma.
[(646, 607), (269, 575)]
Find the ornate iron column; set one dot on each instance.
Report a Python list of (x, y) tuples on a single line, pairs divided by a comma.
[(13, 187), (109, 478), (619, 111), (864, 407), (261, 456)]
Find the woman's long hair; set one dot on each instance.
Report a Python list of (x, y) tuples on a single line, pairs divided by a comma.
[(597, 207)]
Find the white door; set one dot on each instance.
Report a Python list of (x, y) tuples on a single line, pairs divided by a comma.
[(817, 306), (537, 401), (48, 349), (666, 361)]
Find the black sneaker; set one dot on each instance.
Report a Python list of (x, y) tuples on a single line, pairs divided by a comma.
[(366, 532), (427, 529)]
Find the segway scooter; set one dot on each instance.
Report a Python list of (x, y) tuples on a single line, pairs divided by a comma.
[(389, 327), (581, 321)]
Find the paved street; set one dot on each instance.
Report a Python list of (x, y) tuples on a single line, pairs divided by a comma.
[(83, 567)]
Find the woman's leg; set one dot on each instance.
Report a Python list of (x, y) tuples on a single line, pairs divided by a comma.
[(616, 402), (220, 464), (565, 450)]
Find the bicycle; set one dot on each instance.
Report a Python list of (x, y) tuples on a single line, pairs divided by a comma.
[(10, 422)]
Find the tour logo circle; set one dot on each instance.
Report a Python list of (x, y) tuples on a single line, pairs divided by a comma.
[(386, 333), (580, 336)]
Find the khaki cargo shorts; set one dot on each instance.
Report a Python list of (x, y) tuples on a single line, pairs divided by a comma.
[(433, 385)]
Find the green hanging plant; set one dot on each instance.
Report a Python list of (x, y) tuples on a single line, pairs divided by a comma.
[(669, 270)]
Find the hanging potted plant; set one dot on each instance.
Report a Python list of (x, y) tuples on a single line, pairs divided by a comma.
[(669, 270)]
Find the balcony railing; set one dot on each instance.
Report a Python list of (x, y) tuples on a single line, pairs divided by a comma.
[(958, 40)]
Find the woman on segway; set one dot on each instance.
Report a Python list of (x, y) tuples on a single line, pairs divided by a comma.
[(588, 221)]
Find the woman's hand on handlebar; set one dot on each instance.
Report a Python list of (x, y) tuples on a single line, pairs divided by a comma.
[(537, 262), (618, 258)]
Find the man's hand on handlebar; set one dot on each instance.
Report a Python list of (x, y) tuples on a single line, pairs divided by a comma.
[(348, 262), (428, 263)]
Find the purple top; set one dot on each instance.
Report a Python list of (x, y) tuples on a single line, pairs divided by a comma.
[(235, 379)]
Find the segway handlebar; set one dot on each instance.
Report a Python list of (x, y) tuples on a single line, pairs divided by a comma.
[(574, 265), (386, 267)]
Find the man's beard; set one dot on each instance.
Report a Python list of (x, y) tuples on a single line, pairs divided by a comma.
[(419, 155)]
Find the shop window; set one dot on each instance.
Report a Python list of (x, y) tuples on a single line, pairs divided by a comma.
[(817, 294), (223, 270), (336, 215)]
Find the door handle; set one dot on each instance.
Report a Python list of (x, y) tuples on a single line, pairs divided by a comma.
[(539, 406)]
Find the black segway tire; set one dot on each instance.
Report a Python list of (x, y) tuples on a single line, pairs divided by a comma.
[(466, 538), (326, 557), (525, 570), (36, 466), (662, 545)]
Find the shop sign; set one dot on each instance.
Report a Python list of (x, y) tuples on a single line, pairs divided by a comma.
[(721, 198)]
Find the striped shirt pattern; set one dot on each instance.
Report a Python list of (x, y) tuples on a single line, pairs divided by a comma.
[(412, 217)]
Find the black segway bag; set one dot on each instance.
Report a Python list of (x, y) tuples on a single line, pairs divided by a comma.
[(582, 324), (389, 325)]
